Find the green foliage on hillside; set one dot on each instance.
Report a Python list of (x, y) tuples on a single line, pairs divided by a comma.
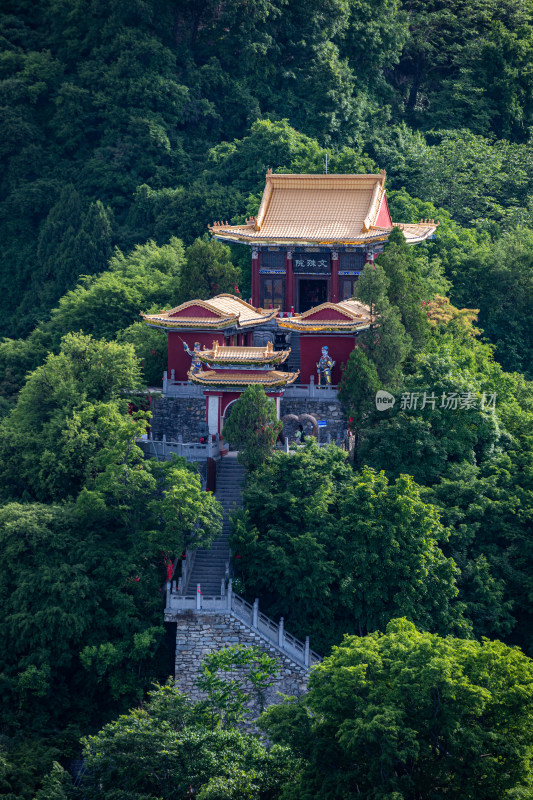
[(406, 714), (81, 583), (333, 551), (125, 129), (166, 751)]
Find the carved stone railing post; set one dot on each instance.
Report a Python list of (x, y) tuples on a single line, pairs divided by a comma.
[(280, 633), (230, 593), (255, 612), (306, 651), (198, 597)]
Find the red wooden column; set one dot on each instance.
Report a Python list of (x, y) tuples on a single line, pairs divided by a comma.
[(289, 282), (334, 277), (256, 260)]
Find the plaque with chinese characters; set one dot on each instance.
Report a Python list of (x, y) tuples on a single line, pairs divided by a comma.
[(311, 263)]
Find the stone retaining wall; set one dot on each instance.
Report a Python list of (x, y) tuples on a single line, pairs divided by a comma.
[(179, 416), (330, 410), (185, 417), (201, 632)]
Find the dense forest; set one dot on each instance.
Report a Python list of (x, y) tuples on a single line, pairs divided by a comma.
[(126, 127)]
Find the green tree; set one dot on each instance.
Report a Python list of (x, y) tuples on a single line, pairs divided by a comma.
[(252, 427), (405, 291), (164, 752), (424, 436), (57, 785), (230, 678), (499, 279), (358, 387), (72, 241), (71, 409), (410, 714), (468, 67), (393, 563), (208, 270), (102, 306), (386, 343), (333, 551), (474, 178), (86, 579)]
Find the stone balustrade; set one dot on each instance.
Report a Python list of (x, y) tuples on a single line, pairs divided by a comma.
[(274, 634)]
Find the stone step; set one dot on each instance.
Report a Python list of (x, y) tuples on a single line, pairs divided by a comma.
[(210, 563)]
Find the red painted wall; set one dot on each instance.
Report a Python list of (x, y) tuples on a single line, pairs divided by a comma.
[(328, 313), (340, 348), (384, 219), (178, 359), (226, 399), (195, 311)]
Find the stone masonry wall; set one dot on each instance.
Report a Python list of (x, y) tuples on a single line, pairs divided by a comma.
[(330, 410), (179, 416), (202, 632), (185, 417)]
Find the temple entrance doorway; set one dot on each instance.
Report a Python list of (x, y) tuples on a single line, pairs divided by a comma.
[(311, 292)]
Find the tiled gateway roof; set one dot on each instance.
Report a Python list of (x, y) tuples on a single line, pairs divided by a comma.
[(321, 209), (271, 379), (220, 354), (222, 311), (348, 316)]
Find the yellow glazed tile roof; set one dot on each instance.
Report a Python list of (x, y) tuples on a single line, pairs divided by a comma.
[(229, 377), (221, 354), (228, 310), (356, 317), (323, 209)]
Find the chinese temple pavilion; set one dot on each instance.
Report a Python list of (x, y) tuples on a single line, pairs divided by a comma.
[(309, 243), (313, 235)]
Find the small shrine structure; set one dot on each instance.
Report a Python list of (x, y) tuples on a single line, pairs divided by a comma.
[(230, 370)]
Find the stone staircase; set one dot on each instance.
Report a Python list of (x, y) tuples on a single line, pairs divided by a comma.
[(209, 566)]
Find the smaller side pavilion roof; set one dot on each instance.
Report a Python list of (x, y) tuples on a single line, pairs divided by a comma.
[(222, 311), (322, 210), (348, 316), (236, 377), (223, 355)]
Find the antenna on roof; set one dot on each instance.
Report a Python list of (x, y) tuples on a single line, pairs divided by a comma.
[(325, 162)]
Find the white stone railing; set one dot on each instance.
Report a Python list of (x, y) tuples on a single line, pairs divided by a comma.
[(192, 451), (173, 388), (274, 633), (306, 391)]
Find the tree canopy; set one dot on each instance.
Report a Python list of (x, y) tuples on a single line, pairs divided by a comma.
[(410, 714)]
